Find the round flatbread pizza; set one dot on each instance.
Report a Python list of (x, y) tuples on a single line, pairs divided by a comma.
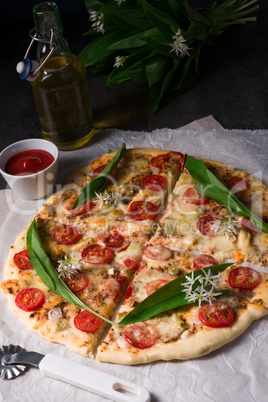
[(145, 229)]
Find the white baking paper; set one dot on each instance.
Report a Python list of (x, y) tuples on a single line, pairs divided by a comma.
[(236, 372)]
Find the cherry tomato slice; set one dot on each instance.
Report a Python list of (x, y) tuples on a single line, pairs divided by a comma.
[(97, 171), (192, 196), (181, 159), (142, 210), (131, 263), (87, 321), (216, 315), (248, 225), (154, 182), (238, 185), (203, 261), (122, 279), (22, 260), (159, 161), (123, 248), (204, 226), (142, 266), (114, 240), (96, 254), (129, 291), (244, 278), (157, 252), (78, 283), (30, 299), (141, 335), (113, 286), (65, 234), (155, 285), (82, 209)]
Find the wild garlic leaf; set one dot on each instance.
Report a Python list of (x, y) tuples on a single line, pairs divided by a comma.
[(97, 184), (131, 62), (167, 297), (159, 18), (96, 51), (155, 68), (134, 41), (48, 274), (209, 186), (132, 21)]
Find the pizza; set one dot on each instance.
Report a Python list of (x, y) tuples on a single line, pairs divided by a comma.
[(195, 223), (146, 228)]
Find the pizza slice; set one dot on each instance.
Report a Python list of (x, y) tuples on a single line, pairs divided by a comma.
[(195, 223), (88, 269), (131, 201), (136, 196), (192, 330)]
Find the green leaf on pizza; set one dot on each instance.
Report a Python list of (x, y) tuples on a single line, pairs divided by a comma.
[(169, 296), (97, 184), (48, 274), (209, 186)]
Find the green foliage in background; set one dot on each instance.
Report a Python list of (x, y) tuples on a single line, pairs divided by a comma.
[(158, 42)]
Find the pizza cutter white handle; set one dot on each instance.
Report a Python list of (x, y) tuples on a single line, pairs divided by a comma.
[(92, 380)]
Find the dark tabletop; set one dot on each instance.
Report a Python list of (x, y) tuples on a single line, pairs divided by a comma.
[(232, 86)]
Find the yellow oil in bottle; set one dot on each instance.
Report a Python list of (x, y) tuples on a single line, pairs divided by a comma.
[(62, 101)]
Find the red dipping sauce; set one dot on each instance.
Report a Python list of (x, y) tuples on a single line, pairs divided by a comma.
[(28, 162)]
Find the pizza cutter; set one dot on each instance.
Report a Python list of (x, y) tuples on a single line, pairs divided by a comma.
[(14, 361)]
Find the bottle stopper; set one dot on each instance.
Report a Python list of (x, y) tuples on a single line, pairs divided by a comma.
[(25, 69)]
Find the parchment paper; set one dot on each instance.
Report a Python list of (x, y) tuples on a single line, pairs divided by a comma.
[(236, 372)]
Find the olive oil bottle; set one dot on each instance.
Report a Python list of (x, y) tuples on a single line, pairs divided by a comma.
[(60, 88)]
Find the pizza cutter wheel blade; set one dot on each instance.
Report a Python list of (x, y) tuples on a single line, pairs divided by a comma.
[(12, 370), (15, 360)]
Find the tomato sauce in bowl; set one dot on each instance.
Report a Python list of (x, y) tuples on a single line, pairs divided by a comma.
[(28, 162), (30, 167)]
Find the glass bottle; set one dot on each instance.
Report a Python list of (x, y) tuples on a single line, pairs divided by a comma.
[(60, 89)]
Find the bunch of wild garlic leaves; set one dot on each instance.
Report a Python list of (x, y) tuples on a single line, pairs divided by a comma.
[(156, 42)]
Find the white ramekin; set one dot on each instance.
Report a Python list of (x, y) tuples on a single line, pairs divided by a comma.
[(36, 185)]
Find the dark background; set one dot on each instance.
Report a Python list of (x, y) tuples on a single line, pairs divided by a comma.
[(232, 86)]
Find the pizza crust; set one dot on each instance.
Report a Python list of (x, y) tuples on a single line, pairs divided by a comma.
[(190, 347)]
